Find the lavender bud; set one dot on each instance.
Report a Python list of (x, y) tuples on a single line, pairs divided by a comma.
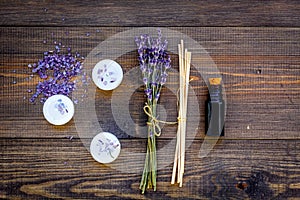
[(150, 97), (157, 96), (167, 65), (163, 81), (148, 91), (145, 80), (154, 84)]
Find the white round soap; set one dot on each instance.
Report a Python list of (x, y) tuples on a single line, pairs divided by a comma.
[(58, 109), (107, 74), (105, 147)]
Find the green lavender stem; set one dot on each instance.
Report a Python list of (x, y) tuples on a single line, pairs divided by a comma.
[(150, 167)]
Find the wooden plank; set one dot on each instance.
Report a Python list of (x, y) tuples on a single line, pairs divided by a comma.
[(153, 13), (260, 68), (233, 41), (41, 168)]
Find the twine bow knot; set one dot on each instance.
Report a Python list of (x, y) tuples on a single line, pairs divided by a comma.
[(153, 121)]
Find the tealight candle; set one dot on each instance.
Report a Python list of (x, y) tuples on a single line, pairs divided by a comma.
[(107, 74), (58, 109), (105, 147)]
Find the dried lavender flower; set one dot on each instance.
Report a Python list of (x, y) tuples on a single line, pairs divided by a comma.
[(56, 71), (154, 62)]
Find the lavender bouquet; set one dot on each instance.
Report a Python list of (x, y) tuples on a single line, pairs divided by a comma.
[(154, 62)]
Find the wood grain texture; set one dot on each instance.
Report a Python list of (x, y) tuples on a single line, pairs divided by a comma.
[(150, 13), (43, 168), (254, 44), (260, 69)]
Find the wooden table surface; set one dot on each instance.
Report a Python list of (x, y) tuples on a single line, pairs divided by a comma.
[(254, 44)]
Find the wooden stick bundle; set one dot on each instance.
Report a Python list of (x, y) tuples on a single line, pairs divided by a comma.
[(184, 71)]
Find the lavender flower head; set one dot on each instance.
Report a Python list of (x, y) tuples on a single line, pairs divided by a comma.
[(154, 62)]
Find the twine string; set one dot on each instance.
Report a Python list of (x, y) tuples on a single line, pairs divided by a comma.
[(154, 121)]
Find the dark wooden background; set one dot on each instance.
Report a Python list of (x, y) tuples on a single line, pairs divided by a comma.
[(256, 46)]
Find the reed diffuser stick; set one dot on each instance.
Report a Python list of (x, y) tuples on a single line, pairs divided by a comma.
[(184, 71)]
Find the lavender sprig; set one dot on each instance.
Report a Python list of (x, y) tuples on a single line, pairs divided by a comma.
[(154, 63)]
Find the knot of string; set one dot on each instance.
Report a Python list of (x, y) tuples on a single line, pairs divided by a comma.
[(153, 121)]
